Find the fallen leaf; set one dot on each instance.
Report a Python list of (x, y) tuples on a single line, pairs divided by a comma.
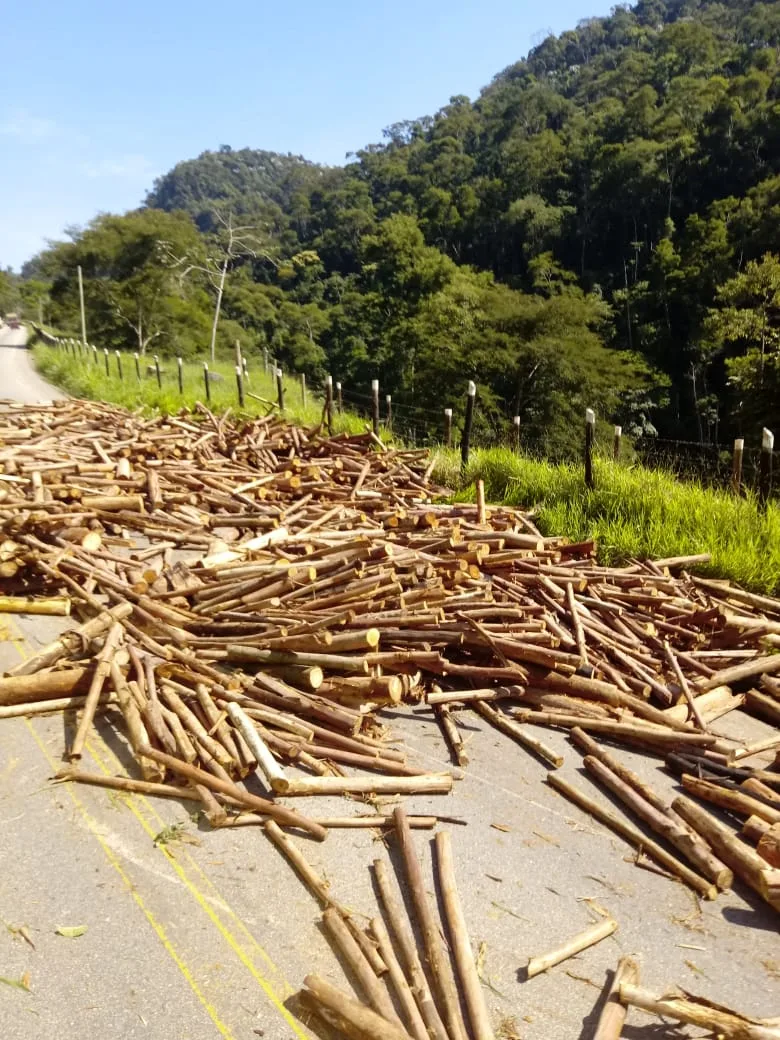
[(71, 931), (22, 983)]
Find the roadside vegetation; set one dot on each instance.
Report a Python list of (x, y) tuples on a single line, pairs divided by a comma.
[(79, 376), (633, 512)]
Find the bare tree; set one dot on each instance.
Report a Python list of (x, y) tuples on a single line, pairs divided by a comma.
[(234, 242)]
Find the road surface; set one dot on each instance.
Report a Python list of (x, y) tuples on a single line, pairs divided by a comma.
[(18, 378), (210, 936)]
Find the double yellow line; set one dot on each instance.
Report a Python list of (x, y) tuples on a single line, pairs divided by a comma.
[(246, 949)]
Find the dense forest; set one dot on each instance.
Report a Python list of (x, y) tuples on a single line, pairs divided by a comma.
[(599, 228)]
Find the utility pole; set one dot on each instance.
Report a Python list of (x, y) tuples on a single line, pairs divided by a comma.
[(83, 315)]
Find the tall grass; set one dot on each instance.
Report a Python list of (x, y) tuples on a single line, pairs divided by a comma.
[(80, 376), (633, 512)]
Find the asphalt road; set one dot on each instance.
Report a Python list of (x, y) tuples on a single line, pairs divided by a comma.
[(18, 379), (211, 935)]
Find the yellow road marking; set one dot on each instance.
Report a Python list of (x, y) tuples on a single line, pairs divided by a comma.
[(135, 803), (156, 926)]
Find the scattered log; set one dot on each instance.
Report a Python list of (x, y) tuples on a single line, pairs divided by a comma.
[(580, 942), (698, 1012), (613, 1014)]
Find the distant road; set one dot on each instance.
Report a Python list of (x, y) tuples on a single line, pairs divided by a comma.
[(18, 379)]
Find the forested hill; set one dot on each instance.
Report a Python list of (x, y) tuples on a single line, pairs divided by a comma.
[(597, 228)]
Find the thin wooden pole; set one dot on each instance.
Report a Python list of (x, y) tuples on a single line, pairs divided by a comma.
[(265, 360), (280, 389), (590, 430), (119, 366), (105, 355), (157, 370), (329, 403), (736, 465), (240, 386), (303, 389), (765, 469), (375, 406), (137, 366), (465, 441), (459, 941), (448, 427), (389, 411), (616, 443), (339, 401), (516, 433), (180, 368), (207, 381), (83, 311)]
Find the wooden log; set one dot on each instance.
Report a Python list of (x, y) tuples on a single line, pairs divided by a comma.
[(633, 836), (71, 640), (451, 734), (284, 816), (613, 1014), (271, 769), (412, 1018), (746, 863), (763, 705), (726, 798), (127, 784), (136, 731), (710, 706), (350, 1018), (59, 606), (397, 922), (741, 672), (591, 747), (441, 971), (517, 732), (460, 944), (589, 937), (21, 689), (102, 669), (663, 824), (726, 1024), (373, 989), (30, 708), (428, 783)]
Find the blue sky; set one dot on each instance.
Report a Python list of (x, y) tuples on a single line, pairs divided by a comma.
[(99, 98)]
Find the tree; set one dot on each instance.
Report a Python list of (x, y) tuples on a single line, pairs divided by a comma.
[(745, 328)]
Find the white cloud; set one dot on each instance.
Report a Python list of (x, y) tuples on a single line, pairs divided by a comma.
[(27, 127), (129, 166)]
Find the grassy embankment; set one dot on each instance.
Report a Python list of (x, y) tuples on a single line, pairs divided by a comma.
[(634, 512), (81, 377)]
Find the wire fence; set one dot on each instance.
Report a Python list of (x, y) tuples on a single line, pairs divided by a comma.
[(710, 464)]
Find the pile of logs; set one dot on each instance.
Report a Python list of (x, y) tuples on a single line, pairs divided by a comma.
[(250, 596)]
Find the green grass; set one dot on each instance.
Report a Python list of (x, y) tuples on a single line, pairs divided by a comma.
[(633, 512), (81, 377)]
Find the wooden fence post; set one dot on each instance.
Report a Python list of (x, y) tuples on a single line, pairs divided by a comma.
[(590, 430), (105, 354), (765, 468), (465, 441), (389, 413), (180, 366), (119, 366), (265, 360), (448, 427), (375, 406), (616, 443), (239, 359), (516, 433), (157, 370), (280, 390), (207, 381), (303, 389), (94, 355), (329, 404), (736, 465), (240, 386), (481, 510), (137, 366), (339, 401), (246, 370)]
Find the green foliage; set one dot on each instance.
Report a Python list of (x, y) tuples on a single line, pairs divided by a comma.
[(576, 236), (633, 512), (9, 292)]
